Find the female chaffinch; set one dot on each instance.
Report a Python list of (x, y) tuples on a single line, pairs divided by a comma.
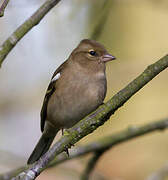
[(76, 89)]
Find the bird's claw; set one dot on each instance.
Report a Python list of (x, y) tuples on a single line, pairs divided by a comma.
[(66, 150)]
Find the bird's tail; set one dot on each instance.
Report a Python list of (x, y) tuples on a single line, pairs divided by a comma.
[(42, 147)]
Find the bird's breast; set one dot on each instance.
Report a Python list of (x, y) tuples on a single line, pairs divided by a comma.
[(81, 95)]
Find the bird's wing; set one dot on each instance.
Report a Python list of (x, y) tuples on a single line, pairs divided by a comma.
[(50, 91)]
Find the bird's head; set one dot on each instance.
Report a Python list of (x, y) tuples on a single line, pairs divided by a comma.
[(92, 51)]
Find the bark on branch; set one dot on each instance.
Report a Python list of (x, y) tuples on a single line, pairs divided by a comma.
[(3, 6), (94, 120), (10, 43)]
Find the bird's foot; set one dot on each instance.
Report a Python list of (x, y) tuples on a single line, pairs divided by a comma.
[(67, 151), (66, 147), (62, 130)]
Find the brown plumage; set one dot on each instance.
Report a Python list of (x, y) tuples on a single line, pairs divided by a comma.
[(76, 89)]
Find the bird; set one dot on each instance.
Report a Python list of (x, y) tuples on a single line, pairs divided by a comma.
[(77, 88)]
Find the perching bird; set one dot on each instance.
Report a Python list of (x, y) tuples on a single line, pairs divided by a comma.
[(76, 89)]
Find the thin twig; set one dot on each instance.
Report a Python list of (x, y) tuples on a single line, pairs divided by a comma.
[(10, 43), (95, 119), (160, 174), (100, 24), (91, 165), (2, 8)]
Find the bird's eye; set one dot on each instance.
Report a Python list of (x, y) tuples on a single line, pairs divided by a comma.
[(92, 53)]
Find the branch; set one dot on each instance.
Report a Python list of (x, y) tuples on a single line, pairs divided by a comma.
[(2, 8), (10, 43), (102, 144), (91, 165), (99, 27), (94, 120), (161, 174)]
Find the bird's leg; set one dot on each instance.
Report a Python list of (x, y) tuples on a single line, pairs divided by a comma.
[(67, 151), (62, 130), (66, 148)]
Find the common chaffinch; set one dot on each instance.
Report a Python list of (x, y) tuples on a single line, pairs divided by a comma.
[(76, 89)]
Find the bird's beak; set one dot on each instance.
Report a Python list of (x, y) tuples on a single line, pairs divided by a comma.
[(107, 57)]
